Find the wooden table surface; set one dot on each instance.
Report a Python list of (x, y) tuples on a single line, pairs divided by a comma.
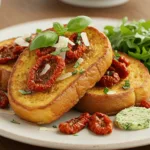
[(19, 11)]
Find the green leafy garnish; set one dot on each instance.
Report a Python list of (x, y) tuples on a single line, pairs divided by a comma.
[(74, 72), (106, 90), (54, 126), (28, 39), (81, 71), (59, 28), (44, 39), (117, 55), (126, 85), (14, 121), (38, 30), (75, 135), (78, 24), (25, 92), (65, 49), (77, 64), (78, 41), (132, 38)]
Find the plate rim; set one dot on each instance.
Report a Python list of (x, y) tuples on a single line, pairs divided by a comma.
[(50, 144)]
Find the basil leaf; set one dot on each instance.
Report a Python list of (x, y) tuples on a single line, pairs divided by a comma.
[(78, 24), (44, 39), (106, 90), (24, 92), (59, 28)]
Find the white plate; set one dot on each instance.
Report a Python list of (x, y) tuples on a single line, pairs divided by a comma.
[(30, 133), (95, 3)]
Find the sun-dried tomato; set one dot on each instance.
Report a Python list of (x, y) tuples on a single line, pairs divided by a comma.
[(120, 68), (145, 103), (3, 100), (10, 52), (44, 51), (38, 82), (109, 80), (75, 125), (100, 124), (124, 60), (75, 51)]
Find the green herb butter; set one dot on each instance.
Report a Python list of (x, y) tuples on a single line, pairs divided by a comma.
[(133, 118)]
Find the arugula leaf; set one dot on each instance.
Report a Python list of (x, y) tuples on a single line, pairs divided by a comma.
[(44, 39), (132, 38)]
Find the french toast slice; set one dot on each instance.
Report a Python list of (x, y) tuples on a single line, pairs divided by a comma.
[(95, 100), (5, 69), (45, 107)]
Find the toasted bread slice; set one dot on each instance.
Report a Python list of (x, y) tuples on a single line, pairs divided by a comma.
[(95, 99), (5, 69), (45, 107)]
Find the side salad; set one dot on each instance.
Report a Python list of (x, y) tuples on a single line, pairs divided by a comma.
[(132, 38)]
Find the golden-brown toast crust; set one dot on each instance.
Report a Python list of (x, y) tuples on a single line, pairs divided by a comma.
[(5, 69), (45, 107), (95, 99)]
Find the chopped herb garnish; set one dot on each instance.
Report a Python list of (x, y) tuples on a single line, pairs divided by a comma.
[(54, 126), (25, 92), (117, 55), (106, 90), (109, 73), (77, 64), (28, 39), (78, 41), (14, 121), (126, 85), (75, 135), (38, 30), (81, 71), (74, 72), (65, 49)]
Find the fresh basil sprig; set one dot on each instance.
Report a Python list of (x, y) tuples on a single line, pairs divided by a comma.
[(44, 39), (59, 28), (78, 24)]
